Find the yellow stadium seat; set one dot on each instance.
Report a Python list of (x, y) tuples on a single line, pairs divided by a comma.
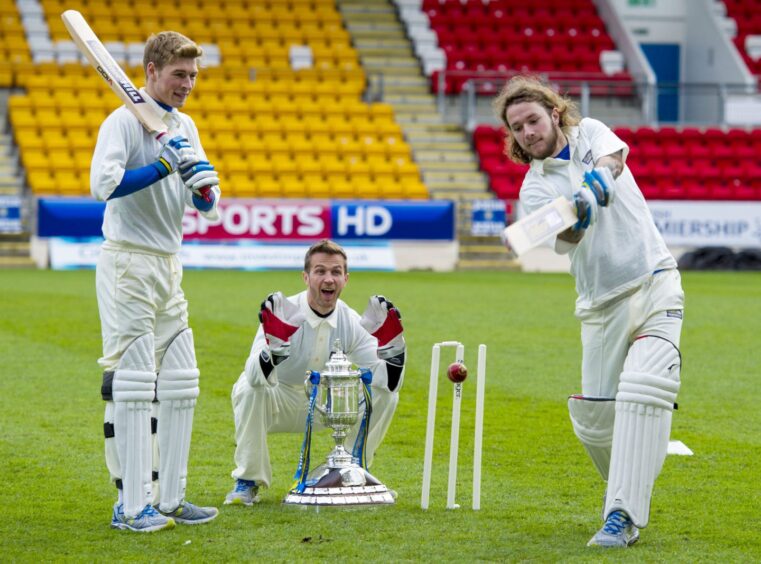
[(308, 165), (294, 188), (61, 159), (283, 165), (292, 126), (69, 182), (367, 191), (245, 190), (235, 182), (301, 146), (391, 191), (23, 118), (235, 164), (81, 141), (33, 160), (277, 145), (269, 189), (318, 190), (82, 159), (252, 145), (415, 190), (29, 140), (41, 181), (345, 189)]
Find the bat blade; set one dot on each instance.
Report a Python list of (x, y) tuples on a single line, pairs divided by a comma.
[(538, 227), (92, 48)]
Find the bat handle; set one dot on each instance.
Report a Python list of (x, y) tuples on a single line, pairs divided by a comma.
[(206, 193)]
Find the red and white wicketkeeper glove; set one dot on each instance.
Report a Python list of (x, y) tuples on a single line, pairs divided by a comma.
[(384, 322), (280, 320)]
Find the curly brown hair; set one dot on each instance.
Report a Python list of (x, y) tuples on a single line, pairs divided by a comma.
[(166, 47), (532, 89)]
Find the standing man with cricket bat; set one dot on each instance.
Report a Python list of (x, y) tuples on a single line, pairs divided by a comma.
[(150, 378), (630, 299)]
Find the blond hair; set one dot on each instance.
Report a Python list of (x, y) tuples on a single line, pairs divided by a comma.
[(165, 48), (329, 248), (521, 89)]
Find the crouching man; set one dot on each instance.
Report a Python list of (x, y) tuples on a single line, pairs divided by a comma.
[(295, 335)]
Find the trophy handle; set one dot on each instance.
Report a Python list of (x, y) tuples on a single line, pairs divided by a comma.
[(312, 379)]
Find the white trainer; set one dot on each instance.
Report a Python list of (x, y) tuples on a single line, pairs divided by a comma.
[(618, 530), (245, 492)]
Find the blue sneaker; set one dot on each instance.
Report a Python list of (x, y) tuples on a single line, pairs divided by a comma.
[(245, 492), (189, 514), (618, 530), (148, 521)]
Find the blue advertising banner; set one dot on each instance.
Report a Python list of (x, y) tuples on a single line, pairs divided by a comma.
[(69, 217), (429, 220), (10, 214), (275, 220)]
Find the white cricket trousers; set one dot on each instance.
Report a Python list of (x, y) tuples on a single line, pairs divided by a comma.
[(138, 293), (655, 308), (265, 409)]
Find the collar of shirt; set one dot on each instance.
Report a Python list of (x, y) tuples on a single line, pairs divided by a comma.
[(315, 320), (551, 162), (169, 117)]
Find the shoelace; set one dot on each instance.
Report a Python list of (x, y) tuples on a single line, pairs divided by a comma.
[(616, 523), (149, 511), (243, 485)]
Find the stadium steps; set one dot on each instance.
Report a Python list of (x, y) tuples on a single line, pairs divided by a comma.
[(441, 150), (15, 251)]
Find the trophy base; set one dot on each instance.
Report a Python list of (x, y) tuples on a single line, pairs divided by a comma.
[(352, 486)]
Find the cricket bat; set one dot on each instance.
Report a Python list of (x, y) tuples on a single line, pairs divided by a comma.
[(96, 53), (538, 227)]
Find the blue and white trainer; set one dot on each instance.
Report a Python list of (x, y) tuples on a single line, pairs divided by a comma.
[(189, 514), (148, 521), (245, 492), (618, 530)]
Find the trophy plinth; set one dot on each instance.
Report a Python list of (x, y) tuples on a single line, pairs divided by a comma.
[(341, 481)]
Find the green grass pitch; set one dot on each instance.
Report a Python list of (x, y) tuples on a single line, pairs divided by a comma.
[(541, 496)]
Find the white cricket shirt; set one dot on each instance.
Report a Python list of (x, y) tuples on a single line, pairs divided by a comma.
[(149, 219), (623, 246), (312, 343)]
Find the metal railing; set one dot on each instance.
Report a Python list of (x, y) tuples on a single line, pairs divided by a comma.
[(683, 103)]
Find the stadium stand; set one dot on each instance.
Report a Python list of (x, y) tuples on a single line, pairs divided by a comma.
[(747, 15), (564, 38), (259, 117), (669, 163)]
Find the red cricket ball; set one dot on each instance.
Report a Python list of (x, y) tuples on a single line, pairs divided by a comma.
[(457, 372)]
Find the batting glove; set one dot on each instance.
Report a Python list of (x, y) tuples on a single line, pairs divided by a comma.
[(199, 177), (383, 321), (602, 184), (175, 152), (280, 319), (586, 209)]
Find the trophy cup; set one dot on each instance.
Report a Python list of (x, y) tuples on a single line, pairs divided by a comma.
[(341, 481)]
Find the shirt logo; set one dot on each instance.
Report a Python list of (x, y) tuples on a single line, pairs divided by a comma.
[(677, 313), (587, 158)]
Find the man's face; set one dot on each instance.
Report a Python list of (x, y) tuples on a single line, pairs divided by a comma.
[(325, 280), (172, 84), (535, 130)]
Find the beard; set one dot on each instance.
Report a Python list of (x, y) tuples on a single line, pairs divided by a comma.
[(547, 147)]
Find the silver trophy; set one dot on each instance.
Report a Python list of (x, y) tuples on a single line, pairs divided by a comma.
[(341, 481)]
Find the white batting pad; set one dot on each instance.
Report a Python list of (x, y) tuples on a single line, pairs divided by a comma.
[(133, 391), (177, 391), (592, 419), (644, 404)]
